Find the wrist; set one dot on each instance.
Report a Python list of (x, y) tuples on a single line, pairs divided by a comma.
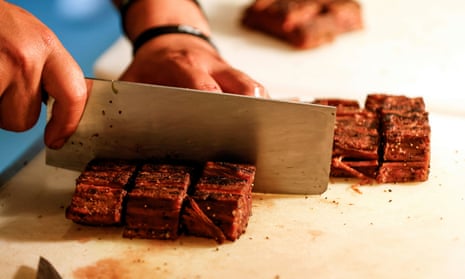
[(162, 30), (139, 15)]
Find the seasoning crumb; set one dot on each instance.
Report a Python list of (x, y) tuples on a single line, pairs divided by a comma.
[(390, 201), (356, 188), (267, 237), (217, 249), (39, 216)]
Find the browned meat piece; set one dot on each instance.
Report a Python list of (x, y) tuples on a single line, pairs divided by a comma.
[(374, 101), (347, 15), (154, 204), (303, 23), (197, 223), (372, 143), (100, 191), (366, 171), (398, 172), (405, 133), (343, 106), (224, 194), (356, 136), (402, 104), (394, 103), (406, 137)]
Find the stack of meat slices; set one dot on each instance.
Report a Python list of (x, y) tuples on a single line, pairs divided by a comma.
[(100, 192), (405, 130), (304, 23), (151, 200), (356, 140), (154, 204), (221, 202), (387, 141)]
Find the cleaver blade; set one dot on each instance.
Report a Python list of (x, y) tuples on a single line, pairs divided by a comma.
[(290, 143)]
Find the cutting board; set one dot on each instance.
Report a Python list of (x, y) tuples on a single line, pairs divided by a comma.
[(413, 230)]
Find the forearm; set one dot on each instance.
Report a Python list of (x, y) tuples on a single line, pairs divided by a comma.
[(143, 14)]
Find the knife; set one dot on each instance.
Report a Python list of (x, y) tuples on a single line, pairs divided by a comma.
[(290, 143), (46, 270)]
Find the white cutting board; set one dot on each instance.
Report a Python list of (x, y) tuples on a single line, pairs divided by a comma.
[(386, 231)]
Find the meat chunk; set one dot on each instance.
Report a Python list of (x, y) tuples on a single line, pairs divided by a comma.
[(398, 172), (154, 204), (100, 192), (197, 223), (405, 129), (303, 23), (387, 141), (224, 195)]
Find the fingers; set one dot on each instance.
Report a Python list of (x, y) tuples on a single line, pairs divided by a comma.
[(64, 81), (18, 113), (234, 81), (20, 100)]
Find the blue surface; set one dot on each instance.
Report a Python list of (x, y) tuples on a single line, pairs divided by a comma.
[(86, 28)]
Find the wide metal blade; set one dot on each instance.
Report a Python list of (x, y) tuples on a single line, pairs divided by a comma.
[(46, 270), (290, 143)]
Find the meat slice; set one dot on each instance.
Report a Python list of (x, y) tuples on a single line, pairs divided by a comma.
[(197, 223), (154, 204), (303, 23), (356, 136), (100, 192), (343, 106), (365, 170), (405, 131), (356, 140), (224, 194), (406, 137), (401, 172), (394, 103)]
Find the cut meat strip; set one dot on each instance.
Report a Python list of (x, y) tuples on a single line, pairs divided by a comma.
[(365, 170), (343, 106), (394, 103), (393, 172), (100, 191), (356, 136), (196, 222), (155, 202), (303, 23), (224, 194)]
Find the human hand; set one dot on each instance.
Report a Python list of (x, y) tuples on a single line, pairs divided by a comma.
[(185, 61), (33, 62)]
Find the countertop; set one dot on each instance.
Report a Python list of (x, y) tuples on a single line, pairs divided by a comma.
[(412, 230)]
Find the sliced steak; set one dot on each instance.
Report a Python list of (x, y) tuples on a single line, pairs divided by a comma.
[(100, 192), (224, 194), (154, 204)]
